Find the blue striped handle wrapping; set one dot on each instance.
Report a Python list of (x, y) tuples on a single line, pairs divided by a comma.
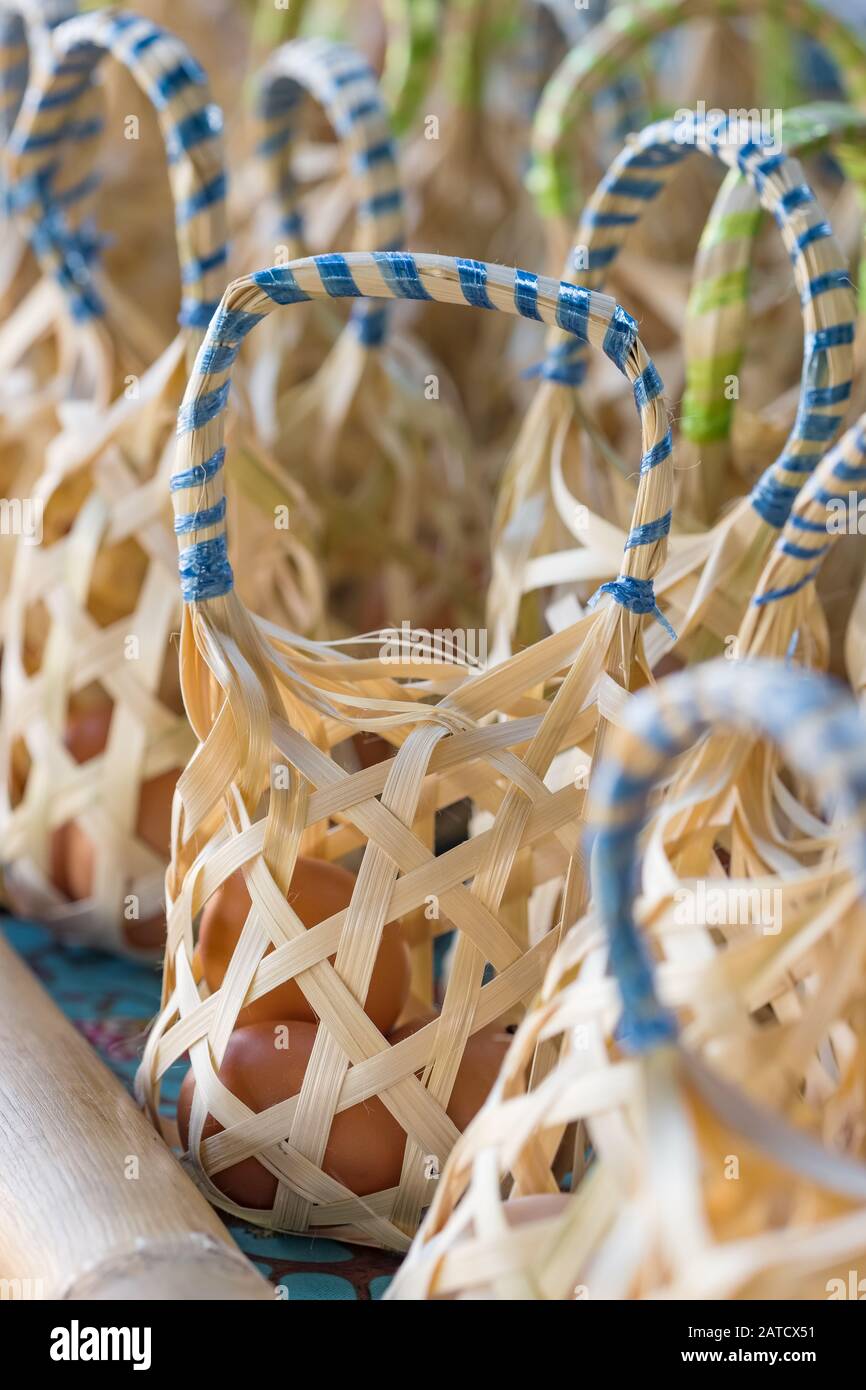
[(826, 507), (632, 183), (14, 68), (25, 38), (336, 77), (51, 119), (23, 27), (591, 318), (819, 731), (717, 315)]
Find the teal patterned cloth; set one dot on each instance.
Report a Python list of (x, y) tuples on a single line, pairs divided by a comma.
[(112, 1001)]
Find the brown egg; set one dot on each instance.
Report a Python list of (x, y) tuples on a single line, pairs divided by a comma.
[(86, 736), (365, 1146), (372, 749), (668, 665), (72, 851), (318, 890), (482, 1057)]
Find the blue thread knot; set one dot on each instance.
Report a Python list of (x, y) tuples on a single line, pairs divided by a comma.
[(637, 595)]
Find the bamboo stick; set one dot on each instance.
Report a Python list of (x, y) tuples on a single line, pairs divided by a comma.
[(92, 1204)]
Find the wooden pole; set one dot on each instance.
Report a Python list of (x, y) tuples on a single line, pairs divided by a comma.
[(92, 1203)]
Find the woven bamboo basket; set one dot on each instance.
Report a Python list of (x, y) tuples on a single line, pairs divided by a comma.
[(612, 46), (260, 699), (93, 605), (320, 192), (626, 103), (651, 276), (682, 1187), (738, 404), (753, 835), (785, 620), (709, 576), (385, 462), (52, 354), (745, 888)]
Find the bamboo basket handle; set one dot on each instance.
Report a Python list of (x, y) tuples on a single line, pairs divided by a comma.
[(817, 728), (14, 68), (25, 36), (413, 43), (636, 177), (24, 24), (198, 481), (714, 342), (809, 533), (191, 125), (343, 84), (623, 104), (626, 32)]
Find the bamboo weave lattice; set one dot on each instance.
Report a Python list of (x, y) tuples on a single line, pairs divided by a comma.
[(94, 604), (652, 1212), (259, 699)]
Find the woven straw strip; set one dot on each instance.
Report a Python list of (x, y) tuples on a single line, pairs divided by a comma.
[(626, 32)]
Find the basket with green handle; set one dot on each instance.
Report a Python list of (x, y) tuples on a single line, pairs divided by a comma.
[(625, 33), (410, 57), (717, 315), (709, 575)]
